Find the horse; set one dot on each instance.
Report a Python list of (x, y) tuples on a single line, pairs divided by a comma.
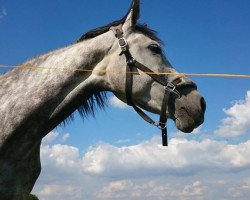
[(33, 102)]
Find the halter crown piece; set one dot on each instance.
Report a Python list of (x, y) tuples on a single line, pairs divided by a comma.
[(170, 87)]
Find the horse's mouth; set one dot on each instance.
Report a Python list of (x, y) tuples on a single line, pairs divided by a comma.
[(185, 122)]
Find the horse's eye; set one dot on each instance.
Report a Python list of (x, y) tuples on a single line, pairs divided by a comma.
[(155, 48)]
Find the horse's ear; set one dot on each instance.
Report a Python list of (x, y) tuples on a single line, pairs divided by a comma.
[(132, 16)]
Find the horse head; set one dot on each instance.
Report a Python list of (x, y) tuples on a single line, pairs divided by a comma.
[(186, 109)]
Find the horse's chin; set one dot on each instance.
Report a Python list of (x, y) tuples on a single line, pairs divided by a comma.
[(184, 122), (184, 127)]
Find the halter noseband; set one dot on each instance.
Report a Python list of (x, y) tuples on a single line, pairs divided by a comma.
[(169, 87)]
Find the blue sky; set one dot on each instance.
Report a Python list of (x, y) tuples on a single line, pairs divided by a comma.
[(200, 37)]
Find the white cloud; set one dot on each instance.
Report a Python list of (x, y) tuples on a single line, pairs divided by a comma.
[(128, 189), (65, 137), (115, 189), (181, 157), (53, 189), (56, 136), (123, 141), (61, 156), (238, 190), (184, 170), (192, 190), (197, 130), (180, 135), (114, 101), (50, 137), (60, 191), (238, 122), (3, 13)]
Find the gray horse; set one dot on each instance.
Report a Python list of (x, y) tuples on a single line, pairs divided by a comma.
[(33, 102)]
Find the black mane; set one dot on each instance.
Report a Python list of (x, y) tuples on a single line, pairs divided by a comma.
[(98, 31), (144, 29), (141, 28), (97, 100)]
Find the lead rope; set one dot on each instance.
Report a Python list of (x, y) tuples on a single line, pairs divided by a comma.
[(169, 87)]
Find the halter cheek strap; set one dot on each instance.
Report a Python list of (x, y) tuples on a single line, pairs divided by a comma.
[(168, 86)]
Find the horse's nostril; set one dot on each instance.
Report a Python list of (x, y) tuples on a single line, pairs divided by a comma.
[(203, 105)]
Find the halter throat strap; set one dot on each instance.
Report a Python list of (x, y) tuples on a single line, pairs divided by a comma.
[(168, 86)]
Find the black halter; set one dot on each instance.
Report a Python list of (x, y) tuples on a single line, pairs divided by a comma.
[(170, 87)]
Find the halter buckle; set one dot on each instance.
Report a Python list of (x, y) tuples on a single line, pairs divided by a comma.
[(172, 88), (123, 43)]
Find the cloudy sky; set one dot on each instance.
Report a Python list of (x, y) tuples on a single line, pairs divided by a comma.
[(104, 158)]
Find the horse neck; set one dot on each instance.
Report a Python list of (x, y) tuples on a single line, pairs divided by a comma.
[(34, 101)]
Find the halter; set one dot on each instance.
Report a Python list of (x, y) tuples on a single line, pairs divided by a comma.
[(169, 87)]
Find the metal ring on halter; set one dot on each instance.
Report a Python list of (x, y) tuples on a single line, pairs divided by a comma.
[(172, 88), (130, 61), (158, 125)]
